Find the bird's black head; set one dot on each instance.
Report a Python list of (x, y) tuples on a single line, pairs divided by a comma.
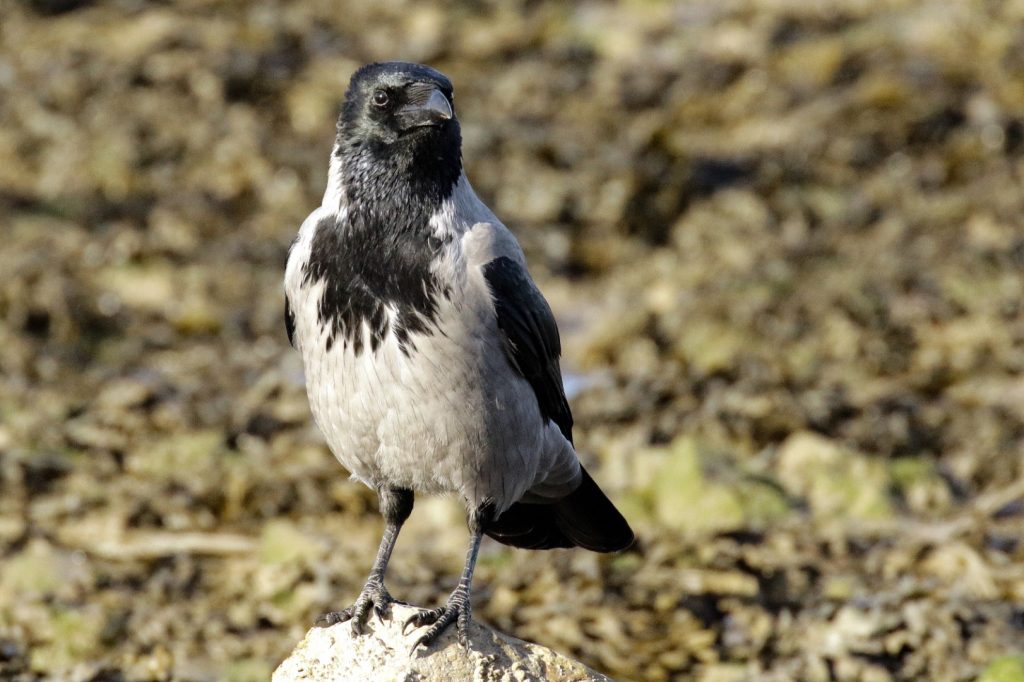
[(390, 101), (398, 119)]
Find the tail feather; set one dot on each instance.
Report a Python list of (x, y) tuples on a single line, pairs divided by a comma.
[(585, 518)]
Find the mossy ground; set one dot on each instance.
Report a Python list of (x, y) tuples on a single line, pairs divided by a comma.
[(785, 245)]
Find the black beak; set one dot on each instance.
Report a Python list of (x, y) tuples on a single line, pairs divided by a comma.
[(426, 106)]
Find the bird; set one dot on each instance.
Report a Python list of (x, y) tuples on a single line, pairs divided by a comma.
[(431, 358)]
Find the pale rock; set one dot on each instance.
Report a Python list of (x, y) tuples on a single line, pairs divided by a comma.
[(335, 654)]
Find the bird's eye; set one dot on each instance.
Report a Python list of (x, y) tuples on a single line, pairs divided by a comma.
[(380, 98)]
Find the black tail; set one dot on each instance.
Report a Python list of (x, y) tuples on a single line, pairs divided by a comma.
[(585, 518)]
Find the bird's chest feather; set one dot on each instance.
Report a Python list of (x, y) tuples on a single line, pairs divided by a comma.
[(393, 352), (373, 284)]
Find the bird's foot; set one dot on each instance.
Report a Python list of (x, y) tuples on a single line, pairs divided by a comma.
[(374, 595), (457, 609)]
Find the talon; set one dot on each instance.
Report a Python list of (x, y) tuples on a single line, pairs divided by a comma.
[(421, 618), (456, 610), (373, 595), (463, 625), (333, 618)]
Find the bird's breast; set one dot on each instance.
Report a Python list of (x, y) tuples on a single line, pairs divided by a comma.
[(372, 285), (419, 412)]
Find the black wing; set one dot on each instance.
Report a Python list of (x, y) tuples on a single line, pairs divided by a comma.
[(289, 321), (531, 337)]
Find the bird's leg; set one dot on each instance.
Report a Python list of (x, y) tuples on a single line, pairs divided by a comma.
[(458, 607), (395, 507)]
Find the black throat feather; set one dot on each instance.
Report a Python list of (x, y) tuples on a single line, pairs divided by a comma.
[(377, 255)]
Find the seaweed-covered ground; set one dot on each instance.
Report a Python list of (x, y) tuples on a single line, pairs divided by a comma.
[(785, 242)]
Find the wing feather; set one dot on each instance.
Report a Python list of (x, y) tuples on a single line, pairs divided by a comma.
[(289, 321), (530, 337)]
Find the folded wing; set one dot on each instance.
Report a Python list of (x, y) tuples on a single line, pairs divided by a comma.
[(585, 517)]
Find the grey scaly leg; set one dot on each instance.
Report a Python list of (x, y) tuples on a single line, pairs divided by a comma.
[(458, 607), (395, 507)]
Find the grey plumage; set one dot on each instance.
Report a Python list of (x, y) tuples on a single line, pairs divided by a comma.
[(431, 358)]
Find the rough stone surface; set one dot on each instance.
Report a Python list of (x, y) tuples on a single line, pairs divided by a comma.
[(383, 653)]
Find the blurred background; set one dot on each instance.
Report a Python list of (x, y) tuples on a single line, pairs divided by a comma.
[(785, 244)]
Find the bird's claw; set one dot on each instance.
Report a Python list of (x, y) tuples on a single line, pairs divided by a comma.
[(332, 617), (457, 610), (374, 595), (421, 618)]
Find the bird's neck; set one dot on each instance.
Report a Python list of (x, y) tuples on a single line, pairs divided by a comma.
[(382, 180), (438, 212), (334, 195)]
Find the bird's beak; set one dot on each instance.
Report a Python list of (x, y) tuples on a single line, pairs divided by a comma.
[(438, 105), (426, 106)]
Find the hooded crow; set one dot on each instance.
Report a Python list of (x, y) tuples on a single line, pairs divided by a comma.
[(431, 358)]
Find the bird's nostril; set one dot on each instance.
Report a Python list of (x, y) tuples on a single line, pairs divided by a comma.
[(419, 93)]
